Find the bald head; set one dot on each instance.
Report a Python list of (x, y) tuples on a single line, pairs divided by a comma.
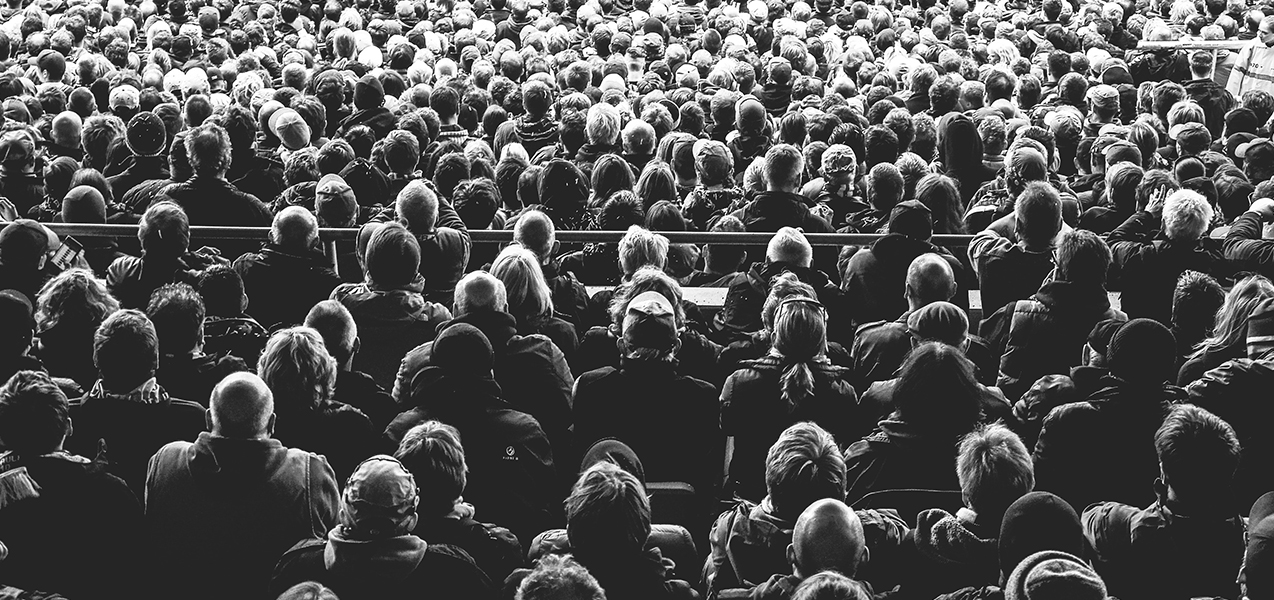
[(479, 291), (242, 407), (929, 279), (418, 207), (534, 230), (294, 228), (828, 536)]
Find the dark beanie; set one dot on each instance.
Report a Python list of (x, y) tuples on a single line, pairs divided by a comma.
[(462, 348), (912, 219), (368, 93), (1143, 351), (84, 204), (1036, 522), (616, 452)]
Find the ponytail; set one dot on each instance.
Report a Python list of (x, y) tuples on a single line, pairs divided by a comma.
[(797, 384)]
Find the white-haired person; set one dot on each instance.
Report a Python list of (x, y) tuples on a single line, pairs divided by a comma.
[(602, 128), (1157, 244)]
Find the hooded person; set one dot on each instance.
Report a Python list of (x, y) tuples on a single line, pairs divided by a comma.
[(372, 553), (369, 108)]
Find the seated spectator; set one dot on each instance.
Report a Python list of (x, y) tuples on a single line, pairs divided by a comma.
[(145, 139), (936, 402), (24, 253), (309, 590), (781, 205), (874, 279), (600, 264), (996, 199), (164, 233), (336, 325), (390, 309), (1254, 576), (531, 370), (757, 344), (1195, 303), (1224, 390), (49, 528), (435, 457), (86, 204), (1045, 334), (787, 252), (885, 187), (1131, 404), (1190, 542), (830, 585), (290, 274), (530, 299), (17, 322), (716, 193), (512, 477), (638, 249), (185, 370), (827, 537), (227, 328), (936, 322), (1050, 573), (535, 231), (441, 235), (1228, 340), (960, 550), (721, 262), (234, 500), (1149, 267), (69, 310), (302, 375), (127, 416), (749, 542), (372, 553), (794, 382), (557, 577), (672, 421), (336, 206), (1015, 253)]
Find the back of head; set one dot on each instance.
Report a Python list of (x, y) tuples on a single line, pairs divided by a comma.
[(607, 512), (784, 165), (417, 207), (1195, 302), (559, 577), (830, 585), (164, 231), (1142, 352), (1035, 522), (789, 246), (392, 259), (479, 291), (433, 453), (799, 340), (380, 500), (126, 350), (994, 469), (177, 312), (535, 231), (294, 228), (297, 367), (208, 149), (1039, 214), (1083, 258), (828, 536), (937, 391), (528, 294), (930, 279), (309, 590), (1198, 456), (1187, 215), (336, 325), (34, 414), (641, 247), (1054, 574), (242, 407), (803, 466)]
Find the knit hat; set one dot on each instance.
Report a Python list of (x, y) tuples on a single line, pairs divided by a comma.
[(912, 219), (334, 200), (368, 93), (1037, 522), (22, 243), (84, 204), (1142, 351), (650, 322), (939, 321), (1054, 575), (839, 159), (146, 135), (380, 496), (463, 348), (290, 128), (1260, 329), (616, 452)]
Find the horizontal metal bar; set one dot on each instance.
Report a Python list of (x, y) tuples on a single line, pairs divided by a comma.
[(1194, 45), (502, 236)]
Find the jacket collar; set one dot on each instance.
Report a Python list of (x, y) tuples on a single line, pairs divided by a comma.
[(1068, 296), (498, 326), (393, 558), (149, 392)]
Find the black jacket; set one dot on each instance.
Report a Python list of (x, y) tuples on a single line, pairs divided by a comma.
[(900, 456), (1149, 266), (740, 315), (283, 284), (1245, 248), (1228, 391), (338, 431), (398, 567), (215, 201), (876, 278)]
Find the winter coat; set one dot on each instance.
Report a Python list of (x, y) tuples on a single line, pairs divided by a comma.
[(1246, 249), (193, 377), (1155, 553), (66, 349), (395, 567), (1046, 334), (1124, 466), (390, 324), (493, 548), (261, 174), (570, 299), (512, 480), (697, 357), (284, 284), (239, 336), (948, 552), (215, 201), (1230, 392), (338, 431), (142, 169), (740, 314), (1194, 367), (132, 280), (671, 421), (222, 506), (535, 133), (379, 119), (875, 279), (757, 345), (1215, 100), (674, 544), (877, 403), (755, 414), (78, 537), (881, 347), (1007, 271), (1253, 70), (360, 391), (899, 455), (444, 254), (1149, 267), (771, 211)]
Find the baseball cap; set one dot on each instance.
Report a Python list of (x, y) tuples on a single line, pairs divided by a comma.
[(650, 322), (380, 495), (1104, 96), (16, 310), (939, 321), (1181, 128), (912, 219), (17, 150), (1260, 147), (334, 200)]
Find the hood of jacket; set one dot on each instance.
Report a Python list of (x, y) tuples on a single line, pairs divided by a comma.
[(434, 389), (760, 274), (394, 558), (762, 528), (1064, 297), (947, 539), (498, 326), (1117, 394), (218, 460)]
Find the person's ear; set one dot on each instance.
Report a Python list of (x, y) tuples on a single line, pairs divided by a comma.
[(269, 425), (410, 524), (207, 419), (1161, 489), (557, 247), (791, 555), (358, 345)]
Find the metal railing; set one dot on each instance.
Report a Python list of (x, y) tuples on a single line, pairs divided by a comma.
[(491, 236)]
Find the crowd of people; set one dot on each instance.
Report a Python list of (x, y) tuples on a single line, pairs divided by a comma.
[(410, 413)]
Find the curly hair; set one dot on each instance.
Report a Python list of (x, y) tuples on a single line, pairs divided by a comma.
[(298, 369), (75, 297)]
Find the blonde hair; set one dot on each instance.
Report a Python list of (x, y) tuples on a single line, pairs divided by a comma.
[(529, 297), (1231, 318), (75, 296), (602, 124), (1186, 216), (641, 247), (297, 368), (994, 469), (799, 340)]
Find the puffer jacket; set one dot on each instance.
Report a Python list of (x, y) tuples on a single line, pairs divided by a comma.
[(1124, 466), (1046, 334), (1149, 267), (898, 455), (1228, 392), (876, 277)]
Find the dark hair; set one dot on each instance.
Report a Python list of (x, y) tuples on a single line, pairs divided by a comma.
[(177, 312), (1233, 190), (1083, 257), (34, 413), (126, 350), (961, 148), (1198, 452), (881, 145), (941, 195), (1195, 302), (611, 174), (445, 101), (476, 201), (937, 390), (221, 288), (393, 256)]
